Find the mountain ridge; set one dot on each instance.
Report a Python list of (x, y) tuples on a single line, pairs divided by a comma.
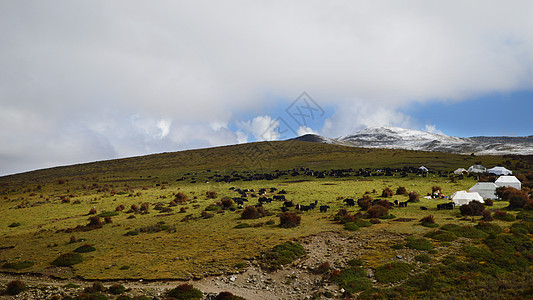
[(408, 139)]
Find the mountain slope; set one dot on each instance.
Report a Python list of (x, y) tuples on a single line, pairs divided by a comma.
[(399, 138)]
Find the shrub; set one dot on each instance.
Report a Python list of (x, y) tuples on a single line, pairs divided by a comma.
[(401, 190), (375, 221), (419, 244), (397, 246), (121, 207), (504, 216), (250, 212), (15, 287), (67, 259), (289, 220), (116, 289), (353, 279), (227, 296), (465, 231), (489, 202), (323, 268), (95, 221), (387, 192), (392, 272), (424, 258), (362, 223), (521, 227), (97, 286), (435, 189), (213, 207), (92, 211), (84, 249), (211, 194), (19, 265), (429, 221), (489, 227), (108, 214), (14, 224), (351, 226), (487, 216), (132, 233), (377, 211), (185, 292), (282, 254), (354, 262), (441, 235), (414, 197), (364, 204), (474, 208), (145, 206), (242, 225), (227, 202), (383, 203), (343, 216), (181, 198), (135, 208), (516, 198)]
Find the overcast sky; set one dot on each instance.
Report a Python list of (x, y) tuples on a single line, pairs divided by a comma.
[(90, 80)]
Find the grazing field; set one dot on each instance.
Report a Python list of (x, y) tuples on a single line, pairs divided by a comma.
[(178, 216)]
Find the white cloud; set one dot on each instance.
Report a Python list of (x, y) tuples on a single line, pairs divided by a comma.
[(432, 129), (302, 130), (262, 128)]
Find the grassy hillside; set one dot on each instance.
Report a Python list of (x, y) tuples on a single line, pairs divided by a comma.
[(157, 234)]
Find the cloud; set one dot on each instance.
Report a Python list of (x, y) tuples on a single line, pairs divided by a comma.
[(432, 129), (262, 128), (192, 69), (302, 130)]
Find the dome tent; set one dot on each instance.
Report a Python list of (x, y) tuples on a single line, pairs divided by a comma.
[(463, 197), (477, 169), (460, 171), (510, 181), (487, 190), (499, 171)]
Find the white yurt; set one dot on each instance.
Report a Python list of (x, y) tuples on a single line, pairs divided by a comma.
[(477, 169), (499, 171), (509, 181), (463, 197), (460, 171), (423, 169), (487, 190)]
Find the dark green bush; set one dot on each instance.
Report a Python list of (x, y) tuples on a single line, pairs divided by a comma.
[(116, 289), (354, 262), (489, 228), (213, 207), (522, 227), (363, 223), (419, 244), (242, 225), (108, 214), (227, 296), (504, 216), (351, 226), (19, 265), (449, 259), (469, 232), (423, 258), (185, 292), (393, 272), (283, 254), (132, 233), (401, 190), (441, 235), (352, 279), (14, 224), (509, 243), (67, 259), (250, 212), (85, 248), (398, 246), (15, 287)]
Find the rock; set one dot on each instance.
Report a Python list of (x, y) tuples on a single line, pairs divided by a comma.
[(232, 278), (399, 256)]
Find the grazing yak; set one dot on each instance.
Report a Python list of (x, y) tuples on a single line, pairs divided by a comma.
[(324, 208), (349, 202)]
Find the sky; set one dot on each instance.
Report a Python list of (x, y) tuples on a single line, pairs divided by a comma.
[(83, 81)]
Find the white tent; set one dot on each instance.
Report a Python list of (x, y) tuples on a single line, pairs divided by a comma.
[(460, 171), (487, 190), (509, 181), (477, 169), (423, 169), (463, 197), (500, 171)]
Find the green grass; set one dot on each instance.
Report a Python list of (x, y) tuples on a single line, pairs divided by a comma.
[(393, 272), (186, 245), (353, 279)]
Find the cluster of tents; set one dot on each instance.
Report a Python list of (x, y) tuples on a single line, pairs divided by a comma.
[(479, 169), (485, 190)]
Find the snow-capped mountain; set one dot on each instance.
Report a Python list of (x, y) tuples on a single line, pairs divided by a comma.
[(400, 138)]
